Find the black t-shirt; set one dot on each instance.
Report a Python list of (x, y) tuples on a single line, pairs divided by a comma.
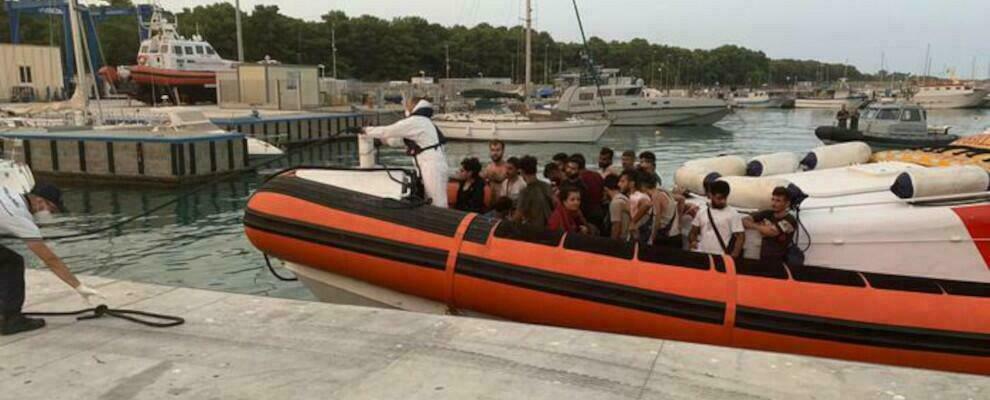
[(472, 198), (775, 248)]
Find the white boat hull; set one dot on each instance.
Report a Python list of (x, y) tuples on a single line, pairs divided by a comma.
[(333, 288), (764, 103), (578, 131), (689, 116), (828, 103), (853, 221), (949, 101)]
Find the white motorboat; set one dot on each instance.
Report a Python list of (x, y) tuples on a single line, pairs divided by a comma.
[(879, 218), (758, 99), (949, 96), (629, 104), (831, 99), (513, 127)]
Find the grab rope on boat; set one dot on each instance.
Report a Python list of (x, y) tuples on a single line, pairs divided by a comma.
[(139, 317)]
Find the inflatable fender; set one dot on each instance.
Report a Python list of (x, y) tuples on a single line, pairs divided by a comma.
[(695, 173), (927, 182), (754, 193), (837, 155), (773, 164)]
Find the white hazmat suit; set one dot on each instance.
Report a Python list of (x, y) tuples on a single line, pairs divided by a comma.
[(419, 128)]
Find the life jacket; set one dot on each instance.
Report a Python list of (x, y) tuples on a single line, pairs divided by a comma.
[(413, 148)]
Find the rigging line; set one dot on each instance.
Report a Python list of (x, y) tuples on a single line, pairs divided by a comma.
[(591, 63)]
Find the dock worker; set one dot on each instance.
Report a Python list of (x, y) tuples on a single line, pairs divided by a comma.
[(17, 221), (842, 116), (854, 119), (424, 142)]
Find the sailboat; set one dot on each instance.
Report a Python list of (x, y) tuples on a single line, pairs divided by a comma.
[(521, 127)]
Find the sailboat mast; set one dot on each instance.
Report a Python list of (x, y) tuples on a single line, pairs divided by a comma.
[(77, 49), (240, 33), (529, 46)]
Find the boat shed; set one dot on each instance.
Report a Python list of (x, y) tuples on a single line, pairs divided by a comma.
[(269, 87), (29, 72)]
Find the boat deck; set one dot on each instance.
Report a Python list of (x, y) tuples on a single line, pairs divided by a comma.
[(239, 346)]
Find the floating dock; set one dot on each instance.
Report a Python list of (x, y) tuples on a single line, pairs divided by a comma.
[(296, 129), (129, 157), (241, 346)]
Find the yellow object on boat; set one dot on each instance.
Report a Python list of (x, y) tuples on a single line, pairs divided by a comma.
[(970, 150)]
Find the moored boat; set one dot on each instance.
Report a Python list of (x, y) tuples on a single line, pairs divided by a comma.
[(519, 128), (952, 95), (357, 225), (631, 105), (890, 126)]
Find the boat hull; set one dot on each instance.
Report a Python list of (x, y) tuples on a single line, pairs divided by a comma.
[(468, 262), (687, 116), (832, 135), (148, 84), (828, 103), (962, 100), (582, 131)]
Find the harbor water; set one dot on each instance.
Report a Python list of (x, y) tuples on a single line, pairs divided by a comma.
[(199, 242)]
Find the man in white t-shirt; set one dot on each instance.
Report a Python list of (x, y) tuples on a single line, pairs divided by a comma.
[(718, 229), (16, 221)]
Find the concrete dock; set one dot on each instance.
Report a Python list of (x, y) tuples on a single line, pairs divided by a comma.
[(238, 346)]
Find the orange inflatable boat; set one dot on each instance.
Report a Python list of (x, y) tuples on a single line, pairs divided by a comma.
[(473, 263)]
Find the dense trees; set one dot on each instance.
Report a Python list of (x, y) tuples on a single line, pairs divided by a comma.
[(374, 49)]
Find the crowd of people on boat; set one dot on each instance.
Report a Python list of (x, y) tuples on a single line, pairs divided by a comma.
[(623, 200)]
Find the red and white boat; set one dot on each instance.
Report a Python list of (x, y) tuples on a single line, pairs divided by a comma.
[(183, 69)]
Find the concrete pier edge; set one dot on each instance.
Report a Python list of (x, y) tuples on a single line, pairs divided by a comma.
[(237, 346)]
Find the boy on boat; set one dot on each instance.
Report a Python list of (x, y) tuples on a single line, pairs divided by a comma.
[(718, 229), (776, 226)]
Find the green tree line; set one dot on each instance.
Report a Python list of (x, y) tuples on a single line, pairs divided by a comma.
[(375, 49)]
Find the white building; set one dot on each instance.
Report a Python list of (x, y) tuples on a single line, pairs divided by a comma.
[(29, 70)]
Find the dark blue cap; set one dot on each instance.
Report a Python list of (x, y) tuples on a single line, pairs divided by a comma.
[(51, 193)]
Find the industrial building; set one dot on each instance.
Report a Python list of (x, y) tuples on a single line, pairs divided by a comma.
[(269, 86), (30, 72)]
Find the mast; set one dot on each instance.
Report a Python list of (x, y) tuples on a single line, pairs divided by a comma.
[(529, 46), (240, 33), (446, 48), (333, 46), (81, 86)]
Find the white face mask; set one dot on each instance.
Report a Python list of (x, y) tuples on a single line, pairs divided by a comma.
[(44, 217)]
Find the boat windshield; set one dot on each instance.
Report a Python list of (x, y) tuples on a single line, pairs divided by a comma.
[(889, 114), (911, 115)]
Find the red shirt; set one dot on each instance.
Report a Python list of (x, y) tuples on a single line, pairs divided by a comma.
[(594, 188)]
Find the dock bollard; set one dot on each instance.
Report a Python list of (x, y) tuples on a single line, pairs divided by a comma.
[(367, 153)]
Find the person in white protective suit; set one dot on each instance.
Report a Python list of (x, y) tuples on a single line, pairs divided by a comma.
[(424, 142)]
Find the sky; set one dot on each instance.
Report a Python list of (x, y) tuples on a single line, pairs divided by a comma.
[(860, 32)]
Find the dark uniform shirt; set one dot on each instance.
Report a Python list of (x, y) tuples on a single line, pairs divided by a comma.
[(773, 249)]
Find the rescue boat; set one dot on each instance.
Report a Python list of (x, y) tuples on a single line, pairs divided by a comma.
[(183, 69), (362, 226)]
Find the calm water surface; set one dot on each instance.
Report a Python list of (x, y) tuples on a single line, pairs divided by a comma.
[(199, 242)]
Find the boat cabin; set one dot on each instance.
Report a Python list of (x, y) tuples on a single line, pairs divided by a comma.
[(166, 49), (895, 119)]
